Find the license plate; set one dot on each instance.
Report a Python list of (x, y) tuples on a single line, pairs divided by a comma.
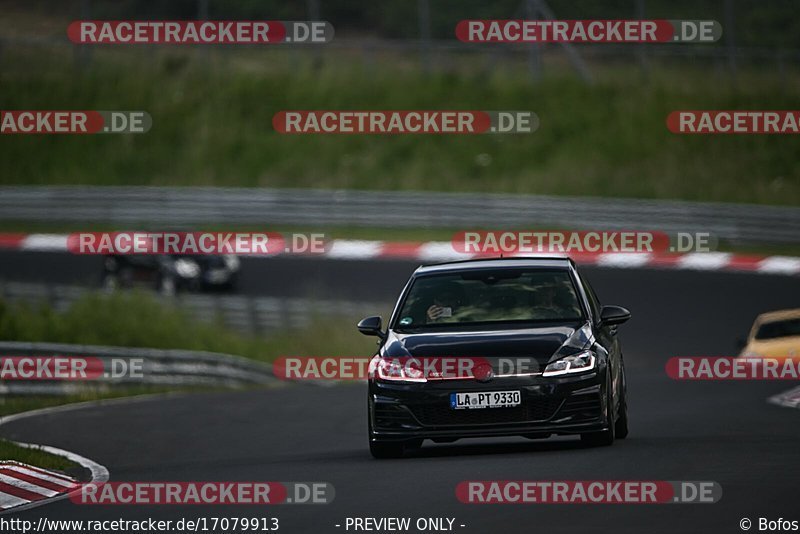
[(485, 399)]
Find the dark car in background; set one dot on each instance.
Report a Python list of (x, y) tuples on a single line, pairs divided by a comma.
[(552, 360), (169, 274)]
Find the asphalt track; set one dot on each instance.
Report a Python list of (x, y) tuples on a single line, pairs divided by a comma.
[(720, 431)]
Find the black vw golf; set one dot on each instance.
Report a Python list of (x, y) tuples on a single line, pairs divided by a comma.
[(501, 347)]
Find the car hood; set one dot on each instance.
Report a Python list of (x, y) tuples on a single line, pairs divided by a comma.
[(784, 347), (544, 344)]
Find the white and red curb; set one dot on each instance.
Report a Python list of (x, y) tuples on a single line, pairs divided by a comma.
[(434, 251), (22, 484), (27, 486)]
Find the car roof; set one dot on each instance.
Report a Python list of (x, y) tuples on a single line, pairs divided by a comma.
[(538, 262), (778, 315)]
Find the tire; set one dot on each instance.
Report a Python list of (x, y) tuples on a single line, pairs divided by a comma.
[(383, 450), (621, 426), (603, 438)]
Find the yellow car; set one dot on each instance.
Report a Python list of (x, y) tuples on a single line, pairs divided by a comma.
[(774, 335)]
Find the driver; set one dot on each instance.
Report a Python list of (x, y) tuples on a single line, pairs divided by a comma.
[(444, 305)]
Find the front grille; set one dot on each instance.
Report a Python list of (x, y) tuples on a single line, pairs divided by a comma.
[(581, 407), (528, 411)]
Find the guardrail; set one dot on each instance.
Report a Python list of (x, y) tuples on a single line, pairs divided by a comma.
[(158, 368), (150, 207)]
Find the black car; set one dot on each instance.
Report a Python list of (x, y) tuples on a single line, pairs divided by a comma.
[(542, 357), (171, 273)]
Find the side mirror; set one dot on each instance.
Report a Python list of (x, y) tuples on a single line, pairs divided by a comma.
[(611, 315), (371, 326)]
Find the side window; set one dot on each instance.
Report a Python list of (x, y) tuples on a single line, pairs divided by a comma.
[(593, 302)]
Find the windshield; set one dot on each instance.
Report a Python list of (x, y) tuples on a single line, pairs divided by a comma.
[(776, 329), (490, 296)]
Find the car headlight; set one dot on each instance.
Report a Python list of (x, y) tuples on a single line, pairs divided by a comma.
[(187, 268), (398, 369), (577, 363)]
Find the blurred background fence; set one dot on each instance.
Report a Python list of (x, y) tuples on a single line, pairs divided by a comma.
[(760, 33), (189, 207)]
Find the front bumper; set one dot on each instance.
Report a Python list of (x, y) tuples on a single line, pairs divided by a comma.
[(554, 405)]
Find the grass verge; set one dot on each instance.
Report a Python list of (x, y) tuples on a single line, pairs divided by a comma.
[(35, 456), (137, 319)]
